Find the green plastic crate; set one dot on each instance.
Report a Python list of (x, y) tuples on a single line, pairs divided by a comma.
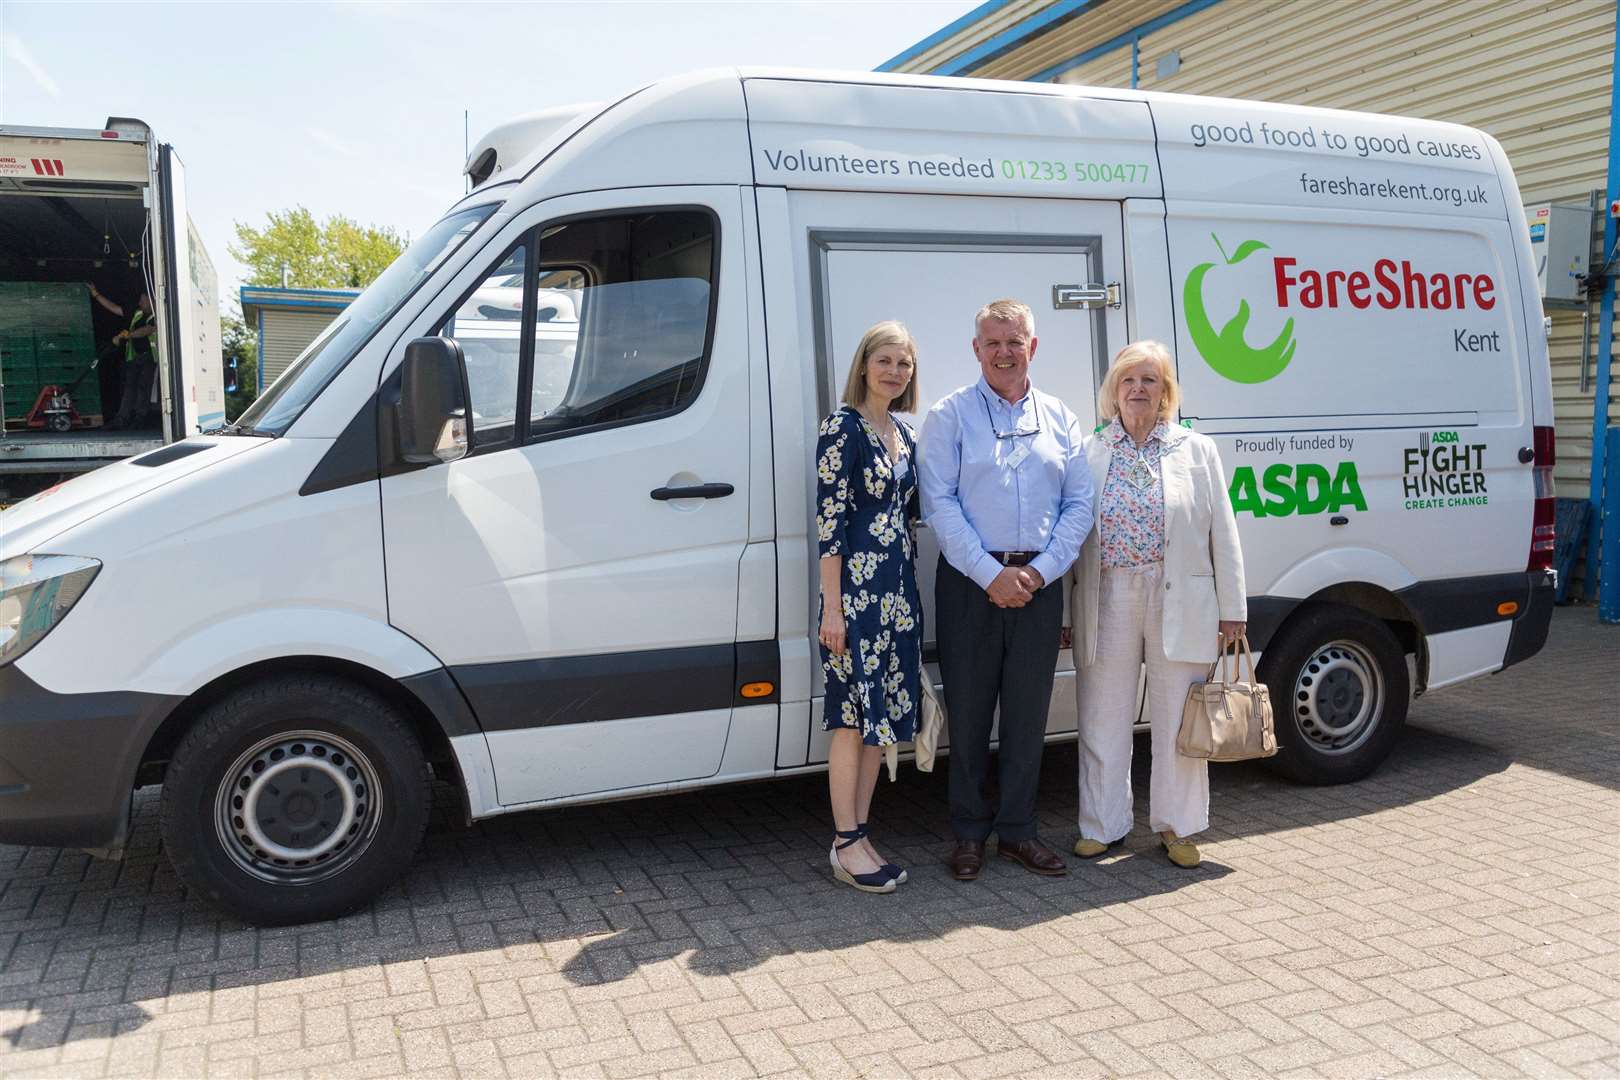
[(46, 337), (45, 306)]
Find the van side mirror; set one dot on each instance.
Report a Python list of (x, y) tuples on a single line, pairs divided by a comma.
[(432, 410)]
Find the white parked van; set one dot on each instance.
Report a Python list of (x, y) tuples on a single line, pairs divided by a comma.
[(581, 567)]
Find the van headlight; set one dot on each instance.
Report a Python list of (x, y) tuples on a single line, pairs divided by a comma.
[(35, 592)]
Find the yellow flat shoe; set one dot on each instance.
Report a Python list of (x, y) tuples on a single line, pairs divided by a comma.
[(1087, 848), (1182, 852)]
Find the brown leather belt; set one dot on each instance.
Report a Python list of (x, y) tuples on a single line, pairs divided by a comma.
[(1014, 558)]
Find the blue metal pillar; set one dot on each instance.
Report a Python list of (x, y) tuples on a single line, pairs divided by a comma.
[(1609, 574), (1600, 404), (1136, 55)]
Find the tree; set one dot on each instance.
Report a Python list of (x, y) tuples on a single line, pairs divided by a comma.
[(239, 343), (335, 254)]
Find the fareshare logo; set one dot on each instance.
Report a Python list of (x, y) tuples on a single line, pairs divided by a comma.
[(1226, 351)]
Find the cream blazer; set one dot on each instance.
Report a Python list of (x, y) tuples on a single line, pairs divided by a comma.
[(1203, 564)]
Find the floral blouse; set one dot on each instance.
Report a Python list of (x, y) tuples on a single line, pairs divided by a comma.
[(1130, 521)]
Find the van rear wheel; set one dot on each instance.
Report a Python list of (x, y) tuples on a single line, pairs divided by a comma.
[(295, 799), (1339, 690)]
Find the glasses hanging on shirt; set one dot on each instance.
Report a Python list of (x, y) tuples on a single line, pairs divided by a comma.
[(1018, 433)]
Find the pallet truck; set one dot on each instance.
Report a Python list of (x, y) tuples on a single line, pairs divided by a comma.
[(53, 409)]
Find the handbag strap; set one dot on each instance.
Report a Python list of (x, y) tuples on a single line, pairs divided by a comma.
[(1248, 657), (1228, 662)]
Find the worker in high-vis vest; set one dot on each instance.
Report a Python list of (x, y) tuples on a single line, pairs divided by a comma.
[(135, 407)]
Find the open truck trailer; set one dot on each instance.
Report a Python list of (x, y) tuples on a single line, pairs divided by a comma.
[(106, 207)]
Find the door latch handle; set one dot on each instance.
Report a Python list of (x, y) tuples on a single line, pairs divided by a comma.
[(1075, 297), (693, 491)]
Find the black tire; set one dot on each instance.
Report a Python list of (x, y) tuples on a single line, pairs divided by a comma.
[(1339, 691), (320, 768)]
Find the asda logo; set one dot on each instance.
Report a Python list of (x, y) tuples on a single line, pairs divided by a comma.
[(1226, 350), (1296, 489)]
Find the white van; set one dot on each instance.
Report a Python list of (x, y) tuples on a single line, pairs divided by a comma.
[(586, 572)]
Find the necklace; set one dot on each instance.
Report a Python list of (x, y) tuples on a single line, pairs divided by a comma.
[(1141, 472), (889, 439)]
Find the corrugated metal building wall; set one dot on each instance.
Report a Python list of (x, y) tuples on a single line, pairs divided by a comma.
[(1537, 76), (287, 320), (285, 334)]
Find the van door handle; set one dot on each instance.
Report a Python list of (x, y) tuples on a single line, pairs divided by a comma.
[(694, 491), (1073, 297)]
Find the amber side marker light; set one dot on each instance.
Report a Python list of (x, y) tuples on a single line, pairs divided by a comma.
[(760, 689), (1508, 607)]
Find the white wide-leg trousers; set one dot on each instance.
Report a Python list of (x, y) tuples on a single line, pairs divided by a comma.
[(1130, 629)]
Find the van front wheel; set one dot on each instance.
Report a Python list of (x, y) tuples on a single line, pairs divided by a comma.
[(1339, 690), (295, 799)]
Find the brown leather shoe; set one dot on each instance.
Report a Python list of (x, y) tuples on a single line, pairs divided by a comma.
[(967, 859), (1035, 857)]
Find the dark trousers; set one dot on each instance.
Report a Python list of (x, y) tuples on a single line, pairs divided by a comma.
[(135, 401), (990, 655)]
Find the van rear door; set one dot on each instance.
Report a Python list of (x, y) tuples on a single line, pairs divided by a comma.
[(186, 291)]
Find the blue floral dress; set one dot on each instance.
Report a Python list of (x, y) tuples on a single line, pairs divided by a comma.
[(864, 513)]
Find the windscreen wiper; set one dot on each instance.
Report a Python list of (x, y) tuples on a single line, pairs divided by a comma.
[(238, 429)]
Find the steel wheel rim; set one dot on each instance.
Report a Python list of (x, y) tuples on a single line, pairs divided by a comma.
[(298, 807), (1339, 697)]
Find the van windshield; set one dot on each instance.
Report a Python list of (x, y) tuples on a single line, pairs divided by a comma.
[(304, 379)]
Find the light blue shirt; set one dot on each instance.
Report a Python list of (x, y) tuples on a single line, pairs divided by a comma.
[(980, 493)]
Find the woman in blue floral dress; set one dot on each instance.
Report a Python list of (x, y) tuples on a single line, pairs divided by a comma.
[(871, 617)]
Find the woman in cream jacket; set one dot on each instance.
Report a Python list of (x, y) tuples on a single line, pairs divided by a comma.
[(1159, 581)]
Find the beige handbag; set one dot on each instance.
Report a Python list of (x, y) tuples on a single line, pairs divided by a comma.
[(929, 725), (1228, 720)]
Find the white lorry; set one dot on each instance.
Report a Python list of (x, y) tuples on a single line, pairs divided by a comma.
[(104, 206), (585, 571)]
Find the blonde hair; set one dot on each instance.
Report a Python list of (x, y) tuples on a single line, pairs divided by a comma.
[(884, 333), (1009, 310), (1139, 352)]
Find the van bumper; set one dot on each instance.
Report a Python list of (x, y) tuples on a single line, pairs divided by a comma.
[(1535, 620), (67, 762)]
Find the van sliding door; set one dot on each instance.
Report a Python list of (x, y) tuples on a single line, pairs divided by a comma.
[(932, 262)]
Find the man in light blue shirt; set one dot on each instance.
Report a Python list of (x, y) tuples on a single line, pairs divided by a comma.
[(1007, 492)]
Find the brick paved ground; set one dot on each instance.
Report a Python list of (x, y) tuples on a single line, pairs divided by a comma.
[(1455, 914)]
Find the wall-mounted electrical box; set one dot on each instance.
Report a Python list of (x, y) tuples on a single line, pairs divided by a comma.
[(1561, 245)]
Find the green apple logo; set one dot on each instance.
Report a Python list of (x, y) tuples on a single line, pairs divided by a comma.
[(1226, 352)]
